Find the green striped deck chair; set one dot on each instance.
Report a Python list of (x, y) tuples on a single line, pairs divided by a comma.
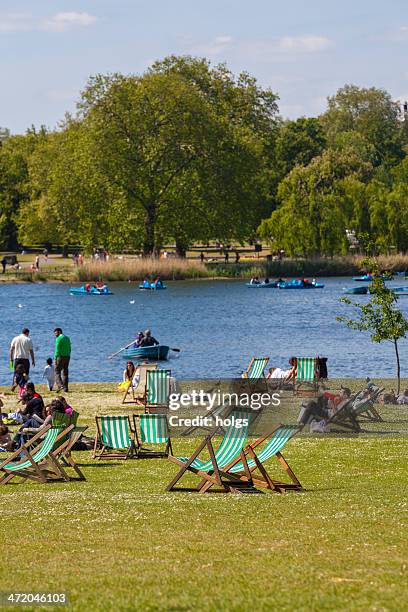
[(278, 440), (137, 391), (255, 371), (36, 462), (157, 389), (211, 471), (114, 438), (306, 374), (154, 429)]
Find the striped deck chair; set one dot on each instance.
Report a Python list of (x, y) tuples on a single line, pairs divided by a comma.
[(157, 390), (255, 371), (278, 439), (36, 463), (114, 438), (365, 408), (137, 392), (306, 374), (344, 416), (212, 472), (154, 429)]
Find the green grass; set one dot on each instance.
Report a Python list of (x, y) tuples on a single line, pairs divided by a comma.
[(119, 542)]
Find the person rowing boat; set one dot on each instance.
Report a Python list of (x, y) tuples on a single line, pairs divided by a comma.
[(148, 340)]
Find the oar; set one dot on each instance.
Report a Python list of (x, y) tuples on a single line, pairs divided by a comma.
[(120, 350), (176, 350)]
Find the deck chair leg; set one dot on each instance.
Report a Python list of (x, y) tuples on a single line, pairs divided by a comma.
[(215, 466), (75, 467), (185, 467), (269, 482), (58, 467), (288, 469)]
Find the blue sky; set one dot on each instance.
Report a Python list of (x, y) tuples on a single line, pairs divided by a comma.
[(303, 50)]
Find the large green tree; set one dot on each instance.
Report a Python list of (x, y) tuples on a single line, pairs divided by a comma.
[(317, 204), (183, 168), (371, 113), (15, 188)]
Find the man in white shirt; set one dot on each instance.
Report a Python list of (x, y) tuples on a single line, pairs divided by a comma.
[(21, 349)]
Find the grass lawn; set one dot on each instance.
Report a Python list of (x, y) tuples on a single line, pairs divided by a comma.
[(119, 542)]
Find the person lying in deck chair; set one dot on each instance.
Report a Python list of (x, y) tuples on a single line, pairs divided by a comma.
[(324, 406), (286, 375)]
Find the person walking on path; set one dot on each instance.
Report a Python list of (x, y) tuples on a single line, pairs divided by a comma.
[(62, 356), (21, 349)]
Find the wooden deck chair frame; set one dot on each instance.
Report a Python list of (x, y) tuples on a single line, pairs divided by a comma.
[(256, 380), (215, 478), (311, 384), (64, 452), (263, 479), (108, 452), (344, 416), (367, 410), (157, 406), (41, 468), (147, 453), (138, 394)]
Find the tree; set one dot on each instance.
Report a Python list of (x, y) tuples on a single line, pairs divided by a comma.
[(316, 205), (298, 143), (181, 166), (370, 112), (380, 317), (14, 182)]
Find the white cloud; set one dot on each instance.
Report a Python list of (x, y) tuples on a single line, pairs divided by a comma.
[(304, 44), (65, 21), (275, 49), (214, 47), (60, 22)]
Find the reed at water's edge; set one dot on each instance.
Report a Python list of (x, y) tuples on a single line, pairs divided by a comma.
[(136, 269)]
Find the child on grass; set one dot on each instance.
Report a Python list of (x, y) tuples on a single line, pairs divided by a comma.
[(49, 374), (6, 443), (20, 379)]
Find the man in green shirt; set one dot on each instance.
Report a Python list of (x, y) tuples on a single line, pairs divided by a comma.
[(62, 356)]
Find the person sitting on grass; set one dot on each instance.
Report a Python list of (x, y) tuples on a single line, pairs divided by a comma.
[(33, 426), (32, 404), (6, 443), (67, 408), (403, 398)]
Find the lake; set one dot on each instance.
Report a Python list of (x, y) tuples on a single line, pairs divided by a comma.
[(218, 325)]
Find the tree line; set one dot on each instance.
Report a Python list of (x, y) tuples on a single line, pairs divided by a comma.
[(188, 152)]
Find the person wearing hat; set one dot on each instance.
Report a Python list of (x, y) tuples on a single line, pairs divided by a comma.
[(148, 339)]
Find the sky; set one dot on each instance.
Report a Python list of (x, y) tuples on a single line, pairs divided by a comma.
[(303, 51)]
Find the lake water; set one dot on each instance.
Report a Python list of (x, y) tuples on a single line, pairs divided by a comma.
[(218, 325)]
